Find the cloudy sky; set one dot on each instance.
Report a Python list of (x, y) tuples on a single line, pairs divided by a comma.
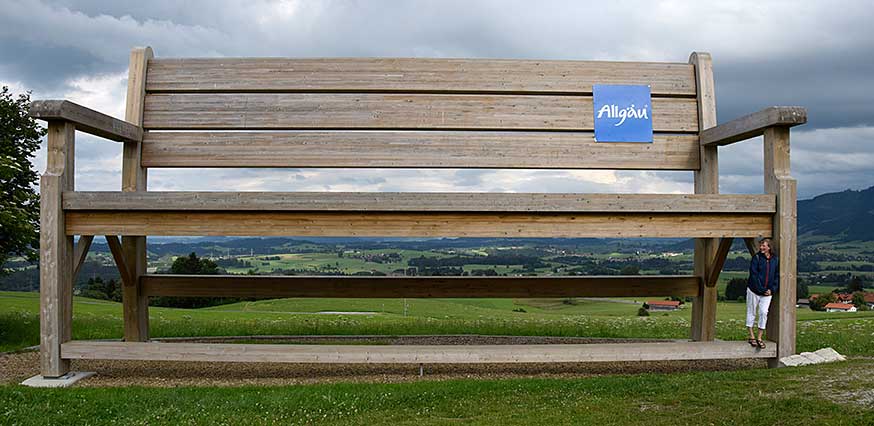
[(815, 54)]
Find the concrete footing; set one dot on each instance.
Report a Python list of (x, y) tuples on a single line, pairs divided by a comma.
[(57, 382), (806, 358)]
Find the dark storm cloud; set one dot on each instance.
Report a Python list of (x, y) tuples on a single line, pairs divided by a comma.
[(46, 68), (836, 87)]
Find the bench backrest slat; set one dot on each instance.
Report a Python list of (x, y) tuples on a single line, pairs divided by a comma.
[(412, 75), (427, 113)]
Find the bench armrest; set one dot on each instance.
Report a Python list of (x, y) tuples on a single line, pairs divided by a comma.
[(753, 125), (86, 120)]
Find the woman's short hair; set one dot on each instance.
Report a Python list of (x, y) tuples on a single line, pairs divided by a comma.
[(770, 244)]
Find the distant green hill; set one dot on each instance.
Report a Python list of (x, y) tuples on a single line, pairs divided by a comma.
[(839, 216)]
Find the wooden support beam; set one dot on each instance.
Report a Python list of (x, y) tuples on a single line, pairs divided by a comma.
[(751, 246), (413, 354), (134, 177), (782, 315), (120, 260), (753, 125), (429, 224), (718, 261), (419, 202), (81, 252), (56, 251), (86, 120), (419, 287), (706, 182)]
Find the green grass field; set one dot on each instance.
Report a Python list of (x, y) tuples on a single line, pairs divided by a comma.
[(824, 394)]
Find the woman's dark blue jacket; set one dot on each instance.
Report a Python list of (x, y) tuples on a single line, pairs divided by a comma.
[(762, 268)]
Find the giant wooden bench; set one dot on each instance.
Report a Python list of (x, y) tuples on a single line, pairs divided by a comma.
[(413, 113)]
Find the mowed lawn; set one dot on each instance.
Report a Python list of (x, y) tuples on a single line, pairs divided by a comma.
[(829, 394), (839, 393)]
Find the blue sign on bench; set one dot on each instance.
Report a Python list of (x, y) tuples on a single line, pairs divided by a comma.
[(623, 113)]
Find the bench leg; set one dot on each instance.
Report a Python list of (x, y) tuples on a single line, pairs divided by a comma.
[(56, 253), (704, 305), (782, 315), (135, 304)]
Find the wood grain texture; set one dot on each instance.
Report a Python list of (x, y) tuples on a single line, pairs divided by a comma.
[(419, 286), (394, 111), (86, 120), (781, 325), (412, 149), (753, 125), (134, 178), (419, 202), (413, 354), (558, 225), (412, 75), (56, 250), (706, 182)]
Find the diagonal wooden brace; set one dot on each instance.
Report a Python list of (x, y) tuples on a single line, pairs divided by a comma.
[(120, 262), (80, 253), (718, 261), (751, 246)]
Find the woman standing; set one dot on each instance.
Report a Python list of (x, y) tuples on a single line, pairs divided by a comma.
[(763, 283)]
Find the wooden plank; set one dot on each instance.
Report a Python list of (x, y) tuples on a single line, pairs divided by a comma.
[(412, 149), (118, 255), (86, 120), (56, 250), (134, 178), (317, 111), (751, 246), (782, 315), (412, 75), (718, 261), (753, 125), (419, 286), (706, 182), (81, 253), (419, 202), (516, 225), (413, 354)]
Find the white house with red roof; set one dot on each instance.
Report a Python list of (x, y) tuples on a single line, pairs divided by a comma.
[(840, 307)]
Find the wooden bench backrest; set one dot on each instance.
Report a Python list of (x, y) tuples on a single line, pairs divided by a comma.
[(413, 113)]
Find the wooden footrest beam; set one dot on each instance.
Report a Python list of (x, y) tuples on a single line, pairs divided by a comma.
[(419, 287), (414, 354)]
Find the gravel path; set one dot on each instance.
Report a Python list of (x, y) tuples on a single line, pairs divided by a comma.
[(18, 366)]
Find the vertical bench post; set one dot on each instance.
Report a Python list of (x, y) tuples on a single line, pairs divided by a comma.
[(133, 178), (778, 181), (56, 251), (706, 182)]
